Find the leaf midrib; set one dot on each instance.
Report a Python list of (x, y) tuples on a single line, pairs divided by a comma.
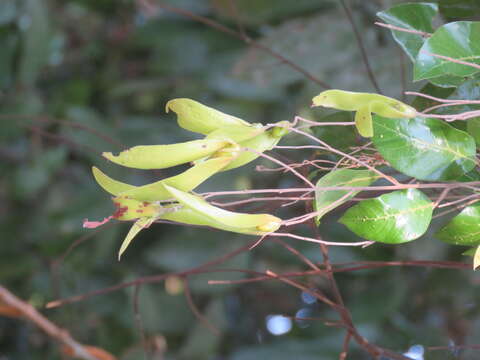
[(395, 214), (446, 149)]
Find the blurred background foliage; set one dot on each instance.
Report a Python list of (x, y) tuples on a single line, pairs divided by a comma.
[(78, 77)]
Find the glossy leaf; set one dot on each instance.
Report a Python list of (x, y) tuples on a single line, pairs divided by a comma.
[(392, 218), (472, 175), (424, 148), (262, 223), (411, 16), (473, 128), (138, 226), (199, 118), (447, 81), (186, 181), (458, 40), (342, 177), (364, 104), (463, 229), (470, 252), (164, 156)]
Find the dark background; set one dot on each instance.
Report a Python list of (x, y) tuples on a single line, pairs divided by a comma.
[(81, 77)]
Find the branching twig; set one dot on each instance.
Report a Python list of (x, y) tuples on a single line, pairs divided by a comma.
[(397, 28)]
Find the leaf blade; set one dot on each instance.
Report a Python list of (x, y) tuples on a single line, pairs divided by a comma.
[(456, 40), (417, 17), (463, 229), (394, 218), (342, 177), (424, 148)]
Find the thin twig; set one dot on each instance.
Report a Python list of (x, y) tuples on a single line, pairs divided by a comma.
[(457, 61), (397, 28)]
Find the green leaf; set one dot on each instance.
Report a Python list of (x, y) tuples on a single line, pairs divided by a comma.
[(458, 40), (411, 16), (463, 229), (424, 148), (472, 175), (164, 156), (343, 177), (447, 81), (138, 226), (470, 252), (392, 218), (473, 128)]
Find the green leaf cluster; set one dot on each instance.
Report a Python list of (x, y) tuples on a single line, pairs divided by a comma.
[(432, 50), (416, 145)]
